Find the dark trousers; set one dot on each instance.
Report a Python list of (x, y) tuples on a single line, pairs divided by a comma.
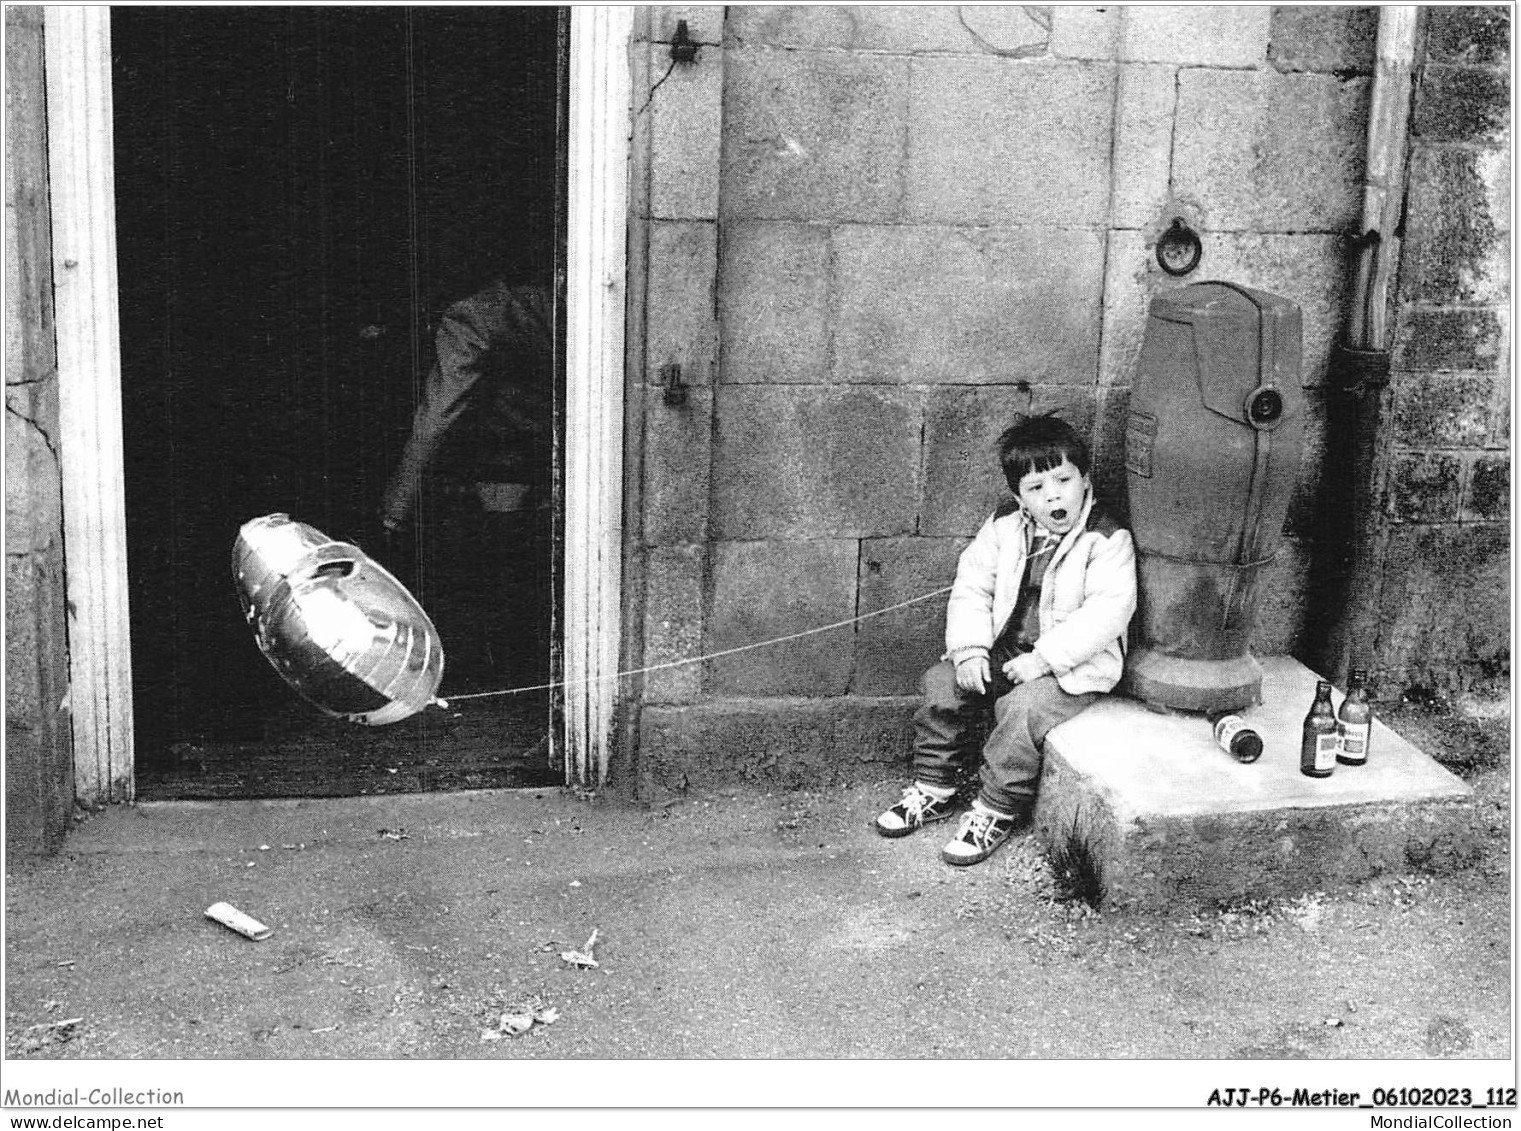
[(946, 722)]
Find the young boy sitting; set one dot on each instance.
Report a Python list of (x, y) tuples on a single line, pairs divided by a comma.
[(1035, 624)]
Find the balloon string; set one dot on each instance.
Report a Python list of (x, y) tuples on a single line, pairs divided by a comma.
[(442, 702)]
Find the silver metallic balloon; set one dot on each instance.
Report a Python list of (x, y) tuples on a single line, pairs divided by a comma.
[(334, 623)]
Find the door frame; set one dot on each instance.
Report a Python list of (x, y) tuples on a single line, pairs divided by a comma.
[(600, 142), (82, 208)]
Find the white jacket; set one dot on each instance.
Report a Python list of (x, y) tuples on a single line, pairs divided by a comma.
[(1086, 598)]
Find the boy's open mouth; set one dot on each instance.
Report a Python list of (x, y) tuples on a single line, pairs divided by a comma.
[(1059, 514)]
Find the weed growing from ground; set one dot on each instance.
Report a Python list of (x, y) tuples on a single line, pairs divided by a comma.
[(1079, 875)]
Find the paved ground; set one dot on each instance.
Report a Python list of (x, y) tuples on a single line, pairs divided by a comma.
[(740, 926)]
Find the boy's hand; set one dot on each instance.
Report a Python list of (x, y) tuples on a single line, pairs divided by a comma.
[(1023, 669), (973, 674)]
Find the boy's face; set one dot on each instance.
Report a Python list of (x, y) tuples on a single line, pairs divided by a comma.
[(1054, 498)]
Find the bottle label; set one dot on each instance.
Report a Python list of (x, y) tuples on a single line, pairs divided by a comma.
[(1228, 728), (1325, 751), (1352, 741)]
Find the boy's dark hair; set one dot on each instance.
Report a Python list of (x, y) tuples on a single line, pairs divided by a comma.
[(1039, 443)]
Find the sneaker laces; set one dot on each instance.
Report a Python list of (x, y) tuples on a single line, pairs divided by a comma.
[(977, 826), (915, 802)]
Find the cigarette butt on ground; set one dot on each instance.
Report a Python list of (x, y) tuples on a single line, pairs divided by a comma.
[(230, 917)]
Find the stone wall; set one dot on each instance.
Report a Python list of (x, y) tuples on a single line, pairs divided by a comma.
[(1443, 593), (39, 785), (927, 219)]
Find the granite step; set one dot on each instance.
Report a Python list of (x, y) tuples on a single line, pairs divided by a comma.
[(1148, 806)]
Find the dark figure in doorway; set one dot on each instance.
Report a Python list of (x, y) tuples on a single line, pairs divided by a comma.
[(493, 354), (482, 440)]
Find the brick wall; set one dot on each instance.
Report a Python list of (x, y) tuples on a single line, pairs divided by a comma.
[(1443, 596), (928, 219)]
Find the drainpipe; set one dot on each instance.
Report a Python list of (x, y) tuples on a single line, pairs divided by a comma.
[(1359, 369)]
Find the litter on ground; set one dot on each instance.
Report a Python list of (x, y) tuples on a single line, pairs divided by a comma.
[(582, 957), (518, 1019), (235, 920)]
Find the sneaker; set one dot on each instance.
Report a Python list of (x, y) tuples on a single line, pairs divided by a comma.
[(981, 834), (918, 808)]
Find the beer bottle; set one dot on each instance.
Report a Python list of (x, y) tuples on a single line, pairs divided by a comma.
[(1235, 735), (1317, 749), (1354, 722)]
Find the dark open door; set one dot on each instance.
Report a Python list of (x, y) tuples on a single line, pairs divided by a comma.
[(301, 191)]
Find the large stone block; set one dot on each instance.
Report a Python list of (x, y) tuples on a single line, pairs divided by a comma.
[(1457, 241), (25, 606), (1307, 269), (1282, 596), (763, 591), (1449, 339), (30, 349), (678, 450), (1079, 32), (845, 27), (1132, 279), (775, 744), (894, 649), (1163, 819), (963, 481), (685, 135), (813, 136), (1307, 502), (1111, 410), (1010, 31), (1215, 35), (1443, 601), (1487, 497), (795, 462), (1478, 33), (990, 142), (680, 327), (773, 293), (33, 489), (1327, 37), (900, 28), (1144, 111), (956, 306), (1499, 416), (1265, 152), (673, 612), (1462, 104), (39, 766), (1442, 411), (1424, 487)]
